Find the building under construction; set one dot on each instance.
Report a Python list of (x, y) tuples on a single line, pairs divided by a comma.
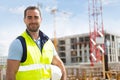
[(74, 51), (3, 62)]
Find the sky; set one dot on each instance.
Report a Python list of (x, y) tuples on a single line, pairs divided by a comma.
[(71, 18)]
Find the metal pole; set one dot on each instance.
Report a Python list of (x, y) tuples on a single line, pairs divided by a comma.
[(54, 15), (103, 65)]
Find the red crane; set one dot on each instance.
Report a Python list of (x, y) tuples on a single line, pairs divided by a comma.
[(96, 30)]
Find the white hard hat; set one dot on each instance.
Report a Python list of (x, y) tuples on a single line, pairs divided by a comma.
[(56, 72)]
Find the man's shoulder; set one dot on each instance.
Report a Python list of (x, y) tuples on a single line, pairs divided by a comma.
[(16, 42), (15, 50)]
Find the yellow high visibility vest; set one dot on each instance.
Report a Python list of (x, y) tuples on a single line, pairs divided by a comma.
[(37, 65)]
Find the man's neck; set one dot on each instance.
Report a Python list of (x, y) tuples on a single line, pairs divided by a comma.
[(34, 35)]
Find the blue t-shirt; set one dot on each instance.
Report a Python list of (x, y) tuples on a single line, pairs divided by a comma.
[(16, 50)]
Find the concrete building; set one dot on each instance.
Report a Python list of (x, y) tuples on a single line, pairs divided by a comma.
[(75, 49), (3, 60)]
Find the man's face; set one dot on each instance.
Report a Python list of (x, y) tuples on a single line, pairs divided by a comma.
[(32, 20)]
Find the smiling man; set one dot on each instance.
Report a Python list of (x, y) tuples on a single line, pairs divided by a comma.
[(32, 53)]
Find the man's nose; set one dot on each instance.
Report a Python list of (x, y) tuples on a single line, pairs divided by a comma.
[(33, 20)]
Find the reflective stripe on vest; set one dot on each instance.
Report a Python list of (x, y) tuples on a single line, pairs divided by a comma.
[(36, 66)]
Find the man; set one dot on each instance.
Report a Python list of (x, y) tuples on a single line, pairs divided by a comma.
[(31, 57)]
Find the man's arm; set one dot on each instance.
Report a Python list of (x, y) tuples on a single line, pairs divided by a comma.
[(14, 58), (57, 61), (12, 68)]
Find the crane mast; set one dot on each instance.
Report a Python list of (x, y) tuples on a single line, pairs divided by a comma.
[(96, 28)]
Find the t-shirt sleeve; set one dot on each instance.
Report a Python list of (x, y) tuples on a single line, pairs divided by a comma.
[(15, 50), (54, 51)]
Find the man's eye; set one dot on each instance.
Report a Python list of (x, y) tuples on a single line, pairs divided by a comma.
[(36, 17), (29, 17)]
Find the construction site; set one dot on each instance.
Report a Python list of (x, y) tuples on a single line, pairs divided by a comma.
[(76, 57), (89, 56), (94, 55)]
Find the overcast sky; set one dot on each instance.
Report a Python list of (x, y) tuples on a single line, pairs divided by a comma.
[(71, 18)]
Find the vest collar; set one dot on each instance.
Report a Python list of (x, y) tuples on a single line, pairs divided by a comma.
[(43, 38)]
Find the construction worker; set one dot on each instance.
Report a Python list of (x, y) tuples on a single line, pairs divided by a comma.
[(32, 53)]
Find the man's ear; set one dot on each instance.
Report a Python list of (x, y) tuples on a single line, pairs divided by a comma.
[(41, 19)]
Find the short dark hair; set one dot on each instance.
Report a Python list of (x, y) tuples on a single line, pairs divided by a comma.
[(31, 8)]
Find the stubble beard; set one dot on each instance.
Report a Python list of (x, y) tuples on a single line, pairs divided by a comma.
[(34, 28)]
